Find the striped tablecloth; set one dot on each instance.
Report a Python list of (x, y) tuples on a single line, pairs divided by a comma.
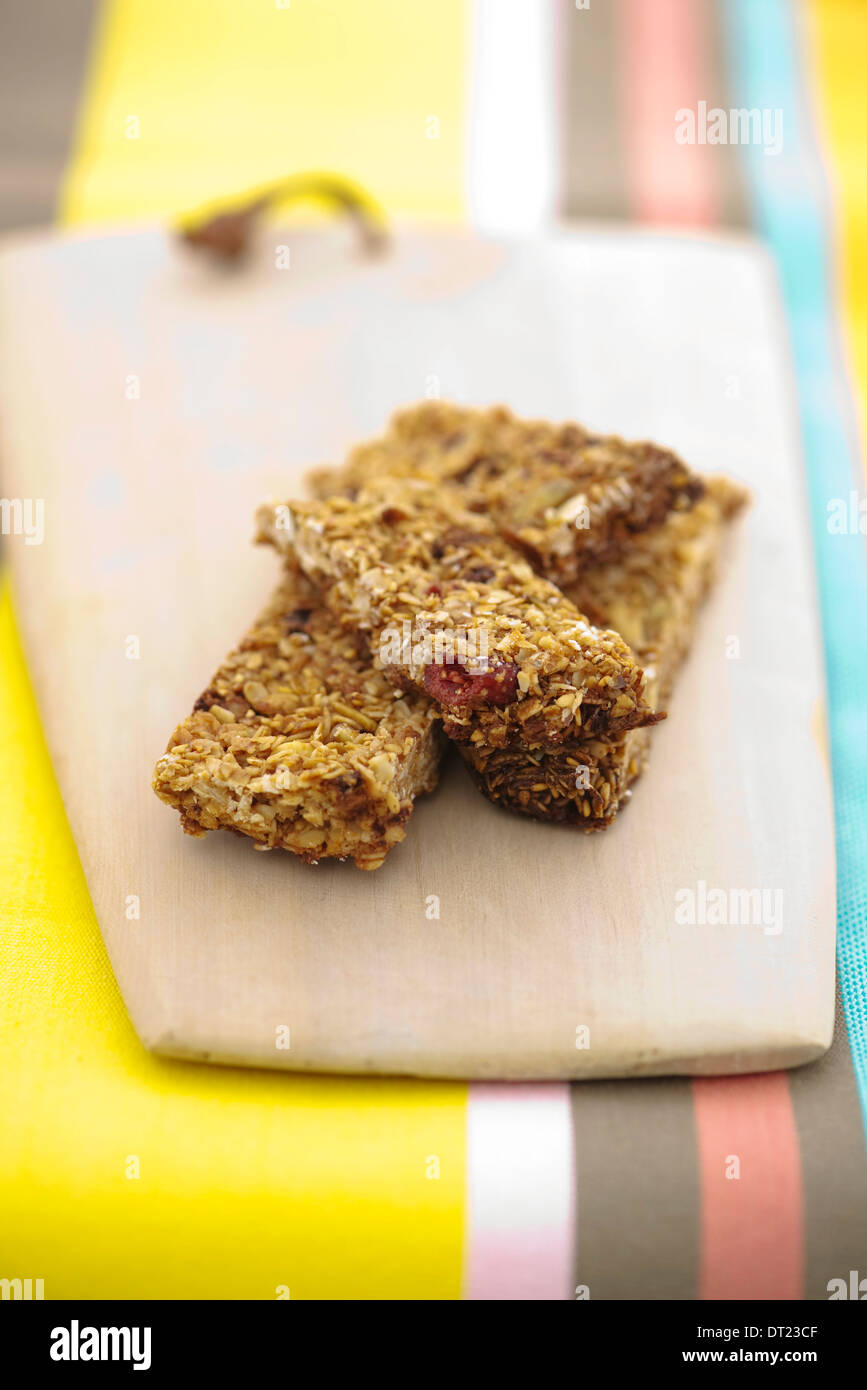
[(260, 1186)]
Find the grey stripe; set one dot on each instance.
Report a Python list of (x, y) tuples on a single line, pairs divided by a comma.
[(638, 1194), (593, 175), (834, 1161), (43, 55), (731, 184)]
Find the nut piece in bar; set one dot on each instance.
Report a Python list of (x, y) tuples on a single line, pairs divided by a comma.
[(652, 594), (565, 496), (450, 609), (299, 743)]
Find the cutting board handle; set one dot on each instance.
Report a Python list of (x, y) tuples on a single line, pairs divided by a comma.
[(224, 228)]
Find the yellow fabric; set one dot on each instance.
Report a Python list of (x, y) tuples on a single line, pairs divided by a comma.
[(837, 42), (250, 1183), (232, 93)]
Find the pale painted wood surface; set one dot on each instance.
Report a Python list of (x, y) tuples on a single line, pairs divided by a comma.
[(243, 381)]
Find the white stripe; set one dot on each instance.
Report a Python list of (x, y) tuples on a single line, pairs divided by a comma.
[(513, 158), (520, 1192)]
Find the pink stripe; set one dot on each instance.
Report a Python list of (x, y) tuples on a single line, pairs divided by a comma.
[(752, 1200), (663, 71), (520, 1192)]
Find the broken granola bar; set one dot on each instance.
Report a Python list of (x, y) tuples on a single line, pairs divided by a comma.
[(652, 595), (450, 609), (299, 743), (565, 496)]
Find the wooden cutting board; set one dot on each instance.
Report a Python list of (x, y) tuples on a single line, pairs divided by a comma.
[(152, 401)]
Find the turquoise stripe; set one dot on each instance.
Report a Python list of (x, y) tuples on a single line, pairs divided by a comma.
[(791, 208)]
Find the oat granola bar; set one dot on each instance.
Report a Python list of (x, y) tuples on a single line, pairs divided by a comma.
[(565, 496), (299, 743), (652, 595), (420, 576)]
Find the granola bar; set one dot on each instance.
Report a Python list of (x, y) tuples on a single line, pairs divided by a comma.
[(451, 610), (583, 782), (565, 496), (299, 743), (652, 595)]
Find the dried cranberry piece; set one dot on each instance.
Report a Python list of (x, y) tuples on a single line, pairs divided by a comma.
[(455, 686)]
